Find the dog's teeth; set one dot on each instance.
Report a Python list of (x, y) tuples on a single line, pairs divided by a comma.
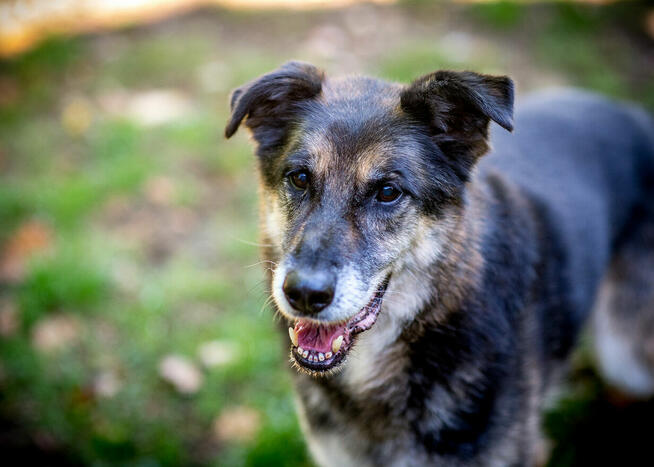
[(321, 356), (336, 343), (293, 336), (305, 353), (328, 355), (300, 350)]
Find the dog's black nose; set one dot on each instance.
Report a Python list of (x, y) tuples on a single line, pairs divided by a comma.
[(309, 292)]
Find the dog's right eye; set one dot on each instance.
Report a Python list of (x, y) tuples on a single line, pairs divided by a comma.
[(388, 193), (299, 179)]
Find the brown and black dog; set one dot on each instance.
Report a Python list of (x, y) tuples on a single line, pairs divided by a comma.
[(432, 295)]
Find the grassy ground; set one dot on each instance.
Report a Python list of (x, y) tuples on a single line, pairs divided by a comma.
[(128, 225)]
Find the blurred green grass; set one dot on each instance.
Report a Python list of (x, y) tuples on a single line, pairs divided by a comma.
[(151, 229)]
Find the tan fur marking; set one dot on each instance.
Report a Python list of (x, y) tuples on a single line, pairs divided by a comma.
[(370, 158), (322, 153), (272, 220)]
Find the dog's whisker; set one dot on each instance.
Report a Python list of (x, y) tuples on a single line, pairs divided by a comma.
[(249, 242), (266, 303), (265, 261), (261, 283)]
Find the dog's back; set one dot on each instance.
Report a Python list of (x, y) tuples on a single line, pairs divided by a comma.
[(588, 164), (586, 158), (580, 154)]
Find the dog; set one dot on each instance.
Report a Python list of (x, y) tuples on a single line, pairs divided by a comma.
[(432, 295)]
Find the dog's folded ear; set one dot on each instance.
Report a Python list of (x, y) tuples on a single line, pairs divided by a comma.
[(458, 106), (269, 103)]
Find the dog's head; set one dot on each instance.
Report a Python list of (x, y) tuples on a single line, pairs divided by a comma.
[(354, 170)]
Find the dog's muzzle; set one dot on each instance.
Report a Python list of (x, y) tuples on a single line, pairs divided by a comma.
[(320, 347)]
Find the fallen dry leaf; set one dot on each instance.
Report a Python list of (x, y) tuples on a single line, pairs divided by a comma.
[(216, 353), (107, 384), (239, 423), (8, 318), (182, 373), (29, 238), (55, 333), (160, 190), (148, 108), (77, 115), (9, 91)]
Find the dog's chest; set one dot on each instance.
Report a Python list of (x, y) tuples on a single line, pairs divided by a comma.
[(347, 442)]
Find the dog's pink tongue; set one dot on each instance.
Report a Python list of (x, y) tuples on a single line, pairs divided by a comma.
[(313, 336)]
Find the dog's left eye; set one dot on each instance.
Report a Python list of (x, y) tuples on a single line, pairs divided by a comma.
[(388, 193), (299, 179)]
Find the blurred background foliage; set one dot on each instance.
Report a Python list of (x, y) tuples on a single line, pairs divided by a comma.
[(133, 319)]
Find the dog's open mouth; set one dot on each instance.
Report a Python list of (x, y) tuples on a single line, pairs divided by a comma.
[(322, 346)]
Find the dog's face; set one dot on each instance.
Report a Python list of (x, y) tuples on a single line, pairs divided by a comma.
[(353, 172)]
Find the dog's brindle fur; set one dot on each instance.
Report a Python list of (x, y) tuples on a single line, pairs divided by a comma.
[(495, 261)]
